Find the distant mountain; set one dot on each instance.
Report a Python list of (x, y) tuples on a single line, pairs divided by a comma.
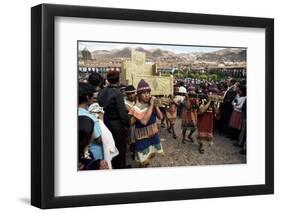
[(227, 54), (148, 53), (101, 52), (158, 53), (126, 53)]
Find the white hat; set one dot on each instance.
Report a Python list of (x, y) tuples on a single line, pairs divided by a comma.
[(182, 89)]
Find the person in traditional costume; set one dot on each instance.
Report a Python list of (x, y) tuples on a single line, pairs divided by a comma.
[(122, 88), (180, 98), (189, 115), (130, 101), (171, 116), (207, 111), (163, 108), (130, 98), (145, 112)]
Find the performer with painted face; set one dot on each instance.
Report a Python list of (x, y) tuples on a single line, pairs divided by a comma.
[(145, 112)]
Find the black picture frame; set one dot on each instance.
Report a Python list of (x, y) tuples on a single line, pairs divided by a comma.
[(43, 102)]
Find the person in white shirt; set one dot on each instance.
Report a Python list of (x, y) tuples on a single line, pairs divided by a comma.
[(180, 97), (236, 118)]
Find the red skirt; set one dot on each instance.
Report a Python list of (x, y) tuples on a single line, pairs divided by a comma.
[(205, 126), (236, 120), (189, 117)]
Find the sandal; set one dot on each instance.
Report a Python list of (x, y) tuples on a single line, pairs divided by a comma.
[(174, 136)]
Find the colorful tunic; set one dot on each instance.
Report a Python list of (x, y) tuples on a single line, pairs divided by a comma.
[(147, 140), (189, 116), (171, 111), (205, 124), (129, 104)]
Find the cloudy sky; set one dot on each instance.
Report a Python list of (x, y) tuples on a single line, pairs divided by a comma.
[(92, 46)]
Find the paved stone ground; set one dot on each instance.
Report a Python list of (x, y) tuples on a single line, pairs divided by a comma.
[(178, 154)]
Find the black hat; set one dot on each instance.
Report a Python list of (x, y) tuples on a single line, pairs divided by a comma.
[(113, 76), (130, 89)]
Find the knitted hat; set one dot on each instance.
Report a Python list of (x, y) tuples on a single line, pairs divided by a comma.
[(143, 86), (213, 88), (191, 88), (130, 89), (113, 76)]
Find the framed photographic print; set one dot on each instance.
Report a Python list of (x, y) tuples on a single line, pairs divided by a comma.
[(139, 106)]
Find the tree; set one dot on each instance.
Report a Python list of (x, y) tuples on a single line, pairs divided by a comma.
[(213, 77), (197, 75), (203, 77), (179, 74), (191, 75), (213, 71)]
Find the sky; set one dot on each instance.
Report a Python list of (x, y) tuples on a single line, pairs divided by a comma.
[(92, 46)]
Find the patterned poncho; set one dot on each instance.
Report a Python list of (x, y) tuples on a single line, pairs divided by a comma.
[(147, 141)]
